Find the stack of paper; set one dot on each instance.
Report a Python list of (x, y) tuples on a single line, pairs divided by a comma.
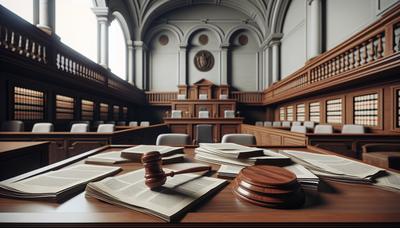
[(114, 157), (235, 154), (135, 153)]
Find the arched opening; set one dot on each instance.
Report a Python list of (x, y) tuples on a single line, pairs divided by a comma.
[(117, 49)]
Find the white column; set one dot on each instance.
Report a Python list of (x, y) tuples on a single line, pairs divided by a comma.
[(46, 15), (267, 68), (224, 65), (275, 61), (315, 31), (129, 62), (102, 25), (139, 64), (182, 66)]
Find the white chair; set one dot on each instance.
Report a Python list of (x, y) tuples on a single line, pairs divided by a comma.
[(223, 96), (173, 139), (144, 123), (353, 129), (267, 123), (176, 114), (296, 123), (203, 96), (285, 124), (258, 123), (133, 124), (276, 124), (229, 114), (106, 128), (299, 129), (309, 124), (43, 127), (12, 126), (243, 139), (204, 114), (323, 129), (79, 127), (181, 96)]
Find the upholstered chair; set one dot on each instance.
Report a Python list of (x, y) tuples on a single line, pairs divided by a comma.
[(43, 127), (323, 129), (204, 114), (259, 123), (243, 139), (229, 114), (106, 128), (203, 96), (144, 123), (309, 124), (299, 129), (173, 139), (12, 126), (353, 129), (296, 123), (204, 133), (286, 124), (133, 124), (267, 124), (276, 124), (223, 96), (79, 127), (176, 114), (181, 97)]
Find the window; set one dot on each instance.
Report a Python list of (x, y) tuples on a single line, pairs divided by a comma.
[(64, 107), (301, 112), (25, 11), (28, 104), (289, 113), (315, 111), (103, 111), (366, 109), (87, 110), (117, 49), (282, 114), (116, 112), (334, 111)]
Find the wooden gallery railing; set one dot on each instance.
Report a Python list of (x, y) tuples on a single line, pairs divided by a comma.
[(373, 50), (25, 44)]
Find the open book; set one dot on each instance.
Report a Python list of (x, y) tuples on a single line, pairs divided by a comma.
[(231, 150), (114, 157), (56, 185), (177, 196), (135, 153)]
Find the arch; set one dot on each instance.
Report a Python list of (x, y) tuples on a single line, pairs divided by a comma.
[(257, 34), (217, 30), (164, 27), (99, 3), (278, 16), (125, 28)]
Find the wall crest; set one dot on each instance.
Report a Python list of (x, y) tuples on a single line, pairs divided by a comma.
[(204, 60)]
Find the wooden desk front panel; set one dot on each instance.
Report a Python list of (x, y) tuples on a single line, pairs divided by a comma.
[(335, 204), (191, 108), (221, 126)]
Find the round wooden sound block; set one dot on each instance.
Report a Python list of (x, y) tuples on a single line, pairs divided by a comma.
[(269, 186)]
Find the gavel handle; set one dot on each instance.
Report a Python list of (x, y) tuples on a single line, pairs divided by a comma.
[(190, 170)]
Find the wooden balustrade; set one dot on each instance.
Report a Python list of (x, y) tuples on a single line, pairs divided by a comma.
[(161, 98), (24, 42), (375, 49), (250, 98)]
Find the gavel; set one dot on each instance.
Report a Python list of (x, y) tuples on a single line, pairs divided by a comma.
[(154, 174)]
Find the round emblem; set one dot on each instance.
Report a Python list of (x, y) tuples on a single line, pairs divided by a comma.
[(204, 60), (163, 40), (203, 39), (243, 39)]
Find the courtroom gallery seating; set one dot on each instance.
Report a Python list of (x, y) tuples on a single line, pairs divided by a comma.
[(229, 114), (203, 97), (176, 114), (296, 123), (173, 139), (12, 126), (259, 123), (204, 114), (309, 124), (106, 128), (323, 129), (79, 127), (43, 127), (144, 123), (385, 155), (298, 129), (204, 133), (267, 124), (353, 129), (181, 97), (276, 124), (223, 96), (286, 124), (243, 139), (133, 124), (121, 123)]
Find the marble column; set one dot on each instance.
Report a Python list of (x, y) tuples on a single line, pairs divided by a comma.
[(46, 15), (139, 64), (102, 25), (130, 58), (224, 65), (267, 67), (315, 31), (275, 61), (182, 80)]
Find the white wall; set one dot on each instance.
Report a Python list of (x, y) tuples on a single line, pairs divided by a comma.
[(164, 63), (293, 46)]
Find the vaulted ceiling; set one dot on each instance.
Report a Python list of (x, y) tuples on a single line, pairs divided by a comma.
[(140, 14)]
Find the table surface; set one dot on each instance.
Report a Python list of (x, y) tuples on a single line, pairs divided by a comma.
[(335, 203), (11, 146)]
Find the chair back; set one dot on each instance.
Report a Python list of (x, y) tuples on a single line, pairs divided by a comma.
[(299, 129), (267, 123), (121, 123), (176, 114), (258, 123), (181, 97), (204, 133), (106, 128), (203, 96), (323, 129), (276, 124), (79, 127), (309, 124), (13, 126), (296, 123), (133, 124), (353, 129), (173, 139), (243, 139), (229, 114), (43, 127), (203, 114), (286, 124), (144, 123), (223, 96)]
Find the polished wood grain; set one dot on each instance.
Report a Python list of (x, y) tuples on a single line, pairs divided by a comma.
[(336, 204), (274, 136)]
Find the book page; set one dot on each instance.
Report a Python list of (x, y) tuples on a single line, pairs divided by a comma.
[(389, 181), (106, 158)]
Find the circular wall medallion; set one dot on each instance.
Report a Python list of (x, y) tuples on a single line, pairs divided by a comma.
[(163, 40), (204, 60), (243, 40), (203, 39)]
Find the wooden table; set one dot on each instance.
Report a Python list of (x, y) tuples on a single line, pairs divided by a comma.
[(20, 157), (336, 204)]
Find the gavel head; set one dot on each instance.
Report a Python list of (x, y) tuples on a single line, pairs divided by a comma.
[(154, 175)]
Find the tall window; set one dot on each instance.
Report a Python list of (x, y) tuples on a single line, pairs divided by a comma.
[(117, 49), (76, 25), (22, 8)]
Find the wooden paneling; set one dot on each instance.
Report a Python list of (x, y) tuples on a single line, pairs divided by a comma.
[(191, 108)]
